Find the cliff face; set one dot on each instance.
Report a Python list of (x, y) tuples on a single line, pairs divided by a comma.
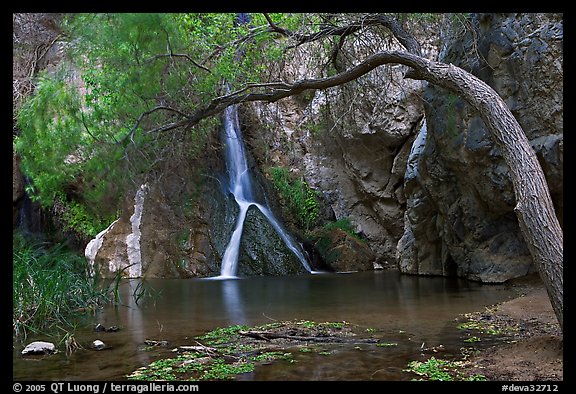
[(350, 143), (459, 217)]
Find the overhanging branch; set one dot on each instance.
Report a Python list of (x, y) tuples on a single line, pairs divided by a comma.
[(275, 91), (179, 55), (130, 134), (405, 38)]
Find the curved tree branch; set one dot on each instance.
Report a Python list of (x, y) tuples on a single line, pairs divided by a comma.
[(181, 55), (391, 23), (130, 134)]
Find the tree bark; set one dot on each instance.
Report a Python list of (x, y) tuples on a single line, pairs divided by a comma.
[(534, 207)]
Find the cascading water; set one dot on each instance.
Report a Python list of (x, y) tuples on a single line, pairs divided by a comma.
[(240, 186)]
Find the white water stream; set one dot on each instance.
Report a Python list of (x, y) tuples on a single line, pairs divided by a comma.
[(240, 186)]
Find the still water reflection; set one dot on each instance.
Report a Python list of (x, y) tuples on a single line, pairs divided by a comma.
[(410, 310)]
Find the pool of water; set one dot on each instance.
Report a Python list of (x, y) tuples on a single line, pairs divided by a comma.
[(413, 312)]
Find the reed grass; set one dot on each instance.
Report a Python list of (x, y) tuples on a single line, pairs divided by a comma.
[(51, 286)]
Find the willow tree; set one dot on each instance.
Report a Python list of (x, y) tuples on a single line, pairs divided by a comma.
[(183, 59)]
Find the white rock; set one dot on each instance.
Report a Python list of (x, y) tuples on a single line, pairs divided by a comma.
[(39, 347), (98, 344)]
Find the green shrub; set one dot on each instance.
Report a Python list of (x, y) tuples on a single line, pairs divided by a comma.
[(297, 196), (50, 285)]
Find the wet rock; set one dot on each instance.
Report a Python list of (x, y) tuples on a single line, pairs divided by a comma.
[(39, 347), (262, 250), (98, 345), (100, 328), (343, 252), (153, 342)]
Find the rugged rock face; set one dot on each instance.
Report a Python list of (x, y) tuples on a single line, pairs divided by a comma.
[(262, 251), (459, 217), (350, 143), (173, 228)]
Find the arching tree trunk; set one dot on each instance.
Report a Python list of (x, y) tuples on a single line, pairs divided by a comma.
[(534, 208)]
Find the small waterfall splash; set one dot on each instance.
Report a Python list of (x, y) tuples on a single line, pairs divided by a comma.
[(240, 186)]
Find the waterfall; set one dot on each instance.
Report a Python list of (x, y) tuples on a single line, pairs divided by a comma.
[(240, 185)]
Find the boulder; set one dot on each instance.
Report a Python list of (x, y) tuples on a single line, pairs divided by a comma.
[(98, 345), (343, 252), (39, 347)]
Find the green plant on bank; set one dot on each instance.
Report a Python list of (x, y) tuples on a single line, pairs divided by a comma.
[(222, 335), (489, 328), (326, 249), (206, 365), (221, 355), (438, 369), (297, 196), (50, 286), (323, 238)]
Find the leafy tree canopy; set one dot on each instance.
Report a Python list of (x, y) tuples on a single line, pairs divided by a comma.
[(92, 125)]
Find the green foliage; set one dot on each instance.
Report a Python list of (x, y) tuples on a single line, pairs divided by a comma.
[(222, 335), (443, 370), (76, 217), (220, 370), (50, 137), (80, 127), (229, 354), (50, 285), (432, 369), (297, 196), (345, 225)]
